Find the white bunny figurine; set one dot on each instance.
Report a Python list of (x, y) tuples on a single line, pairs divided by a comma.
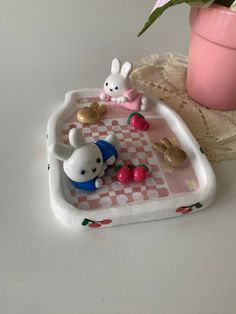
[(118, 88), (85, 163)]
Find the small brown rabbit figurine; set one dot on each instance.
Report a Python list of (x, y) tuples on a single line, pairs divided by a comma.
[(91, 114), (173, 155)]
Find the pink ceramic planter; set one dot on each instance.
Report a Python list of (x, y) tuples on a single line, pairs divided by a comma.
[(211, 78)]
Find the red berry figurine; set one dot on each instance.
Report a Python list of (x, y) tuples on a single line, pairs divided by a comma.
[(138, 121), (123, 174), (140, 173)]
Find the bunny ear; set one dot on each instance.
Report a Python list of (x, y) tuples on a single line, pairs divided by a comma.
[(76, 138), (61, 151), (165, 141), (159, 147), (126, 69), (115, 66)]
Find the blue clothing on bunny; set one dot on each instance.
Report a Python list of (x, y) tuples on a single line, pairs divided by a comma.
[(107, 151)]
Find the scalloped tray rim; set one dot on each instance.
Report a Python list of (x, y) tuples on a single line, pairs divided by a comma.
[(71, 216)]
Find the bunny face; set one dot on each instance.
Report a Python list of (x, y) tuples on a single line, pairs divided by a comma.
[(118, 82), (84, 164), (115, 85), (82, 161)]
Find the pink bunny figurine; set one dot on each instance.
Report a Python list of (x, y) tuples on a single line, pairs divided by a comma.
[(118, 88)]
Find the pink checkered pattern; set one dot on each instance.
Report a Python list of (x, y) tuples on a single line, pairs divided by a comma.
[(136, 148)]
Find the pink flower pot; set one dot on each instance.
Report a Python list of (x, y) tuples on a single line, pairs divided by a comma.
[(211, 77)]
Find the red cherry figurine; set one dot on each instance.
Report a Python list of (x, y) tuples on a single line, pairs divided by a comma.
[(138, 121), (123, 174), (140, 173)]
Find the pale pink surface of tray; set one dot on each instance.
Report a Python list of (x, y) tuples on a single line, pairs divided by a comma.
[(162, 182)]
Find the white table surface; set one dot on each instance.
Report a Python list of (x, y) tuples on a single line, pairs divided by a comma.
[(181, 266)]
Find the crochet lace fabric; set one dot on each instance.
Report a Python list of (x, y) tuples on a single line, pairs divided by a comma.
[(163, 77)]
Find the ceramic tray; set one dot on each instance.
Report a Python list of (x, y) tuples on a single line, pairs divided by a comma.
[(167, 192)]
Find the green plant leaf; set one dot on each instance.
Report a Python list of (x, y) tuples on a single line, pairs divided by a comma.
[(225, 3), (158, 12)]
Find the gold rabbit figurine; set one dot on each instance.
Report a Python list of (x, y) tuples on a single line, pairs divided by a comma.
[(173, 155), (91, 114)]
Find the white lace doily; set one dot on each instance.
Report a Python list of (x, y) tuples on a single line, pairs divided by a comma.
[(164, 78)]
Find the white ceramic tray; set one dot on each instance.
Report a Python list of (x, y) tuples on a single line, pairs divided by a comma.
[(167, 192)]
